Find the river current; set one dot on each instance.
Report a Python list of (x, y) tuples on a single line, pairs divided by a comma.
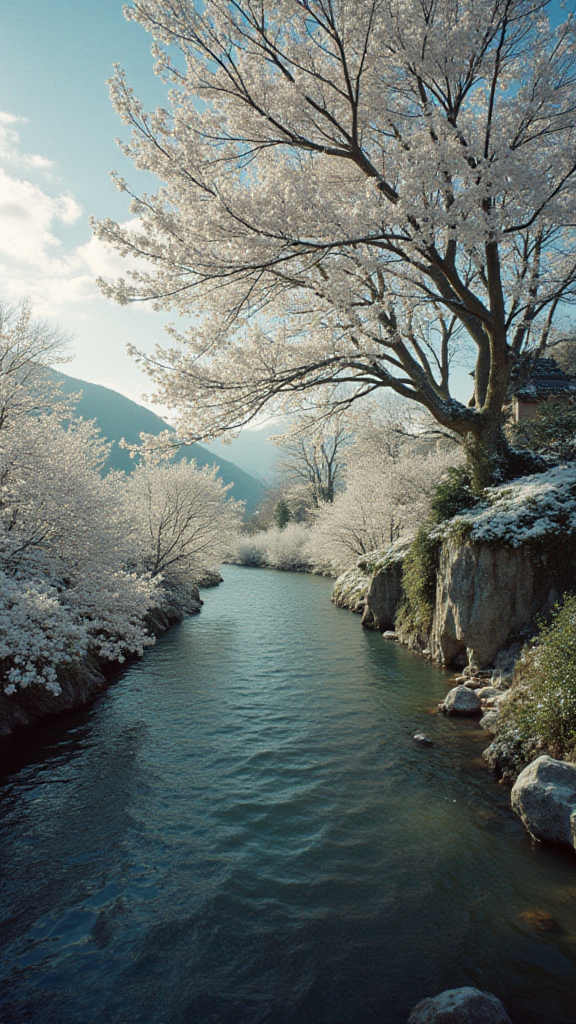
[(242, 831)]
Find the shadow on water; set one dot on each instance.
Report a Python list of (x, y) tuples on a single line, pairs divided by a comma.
[(242, 831)]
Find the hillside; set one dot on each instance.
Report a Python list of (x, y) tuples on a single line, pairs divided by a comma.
[(119, 417)]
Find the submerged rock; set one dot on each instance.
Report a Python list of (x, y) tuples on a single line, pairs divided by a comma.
[(460, 1006), (461, 701), (540, 920), (544, 796), (423, 740)]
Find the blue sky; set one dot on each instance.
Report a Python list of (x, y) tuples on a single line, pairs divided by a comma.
[(57, 146)]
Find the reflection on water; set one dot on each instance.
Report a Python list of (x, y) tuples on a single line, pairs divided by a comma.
[(242, 831)]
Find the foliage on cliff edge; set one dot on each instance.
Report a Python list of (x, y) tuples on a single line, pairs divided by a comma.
[(539, 717), (451, 496)]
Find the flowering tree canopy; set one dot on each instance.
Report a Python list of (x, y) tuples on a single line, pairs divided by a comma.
[(181, 519), (351, 191), (390, 480)]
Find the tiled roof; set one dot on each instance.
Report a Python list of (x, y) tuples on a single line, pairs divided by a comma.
[(545, 379)]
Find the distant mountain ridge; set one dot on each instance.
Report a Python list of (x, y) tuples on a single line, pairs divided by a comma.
[(119, 417)]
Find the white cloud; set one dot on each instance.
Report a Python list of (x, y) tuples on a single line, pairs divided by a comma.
[(28, 217), (35, 257), (10, 145), (48, 253)]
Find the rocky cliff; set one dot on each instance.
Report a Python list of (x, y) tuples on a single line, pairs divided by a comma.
[(486, 596), (501, 566)]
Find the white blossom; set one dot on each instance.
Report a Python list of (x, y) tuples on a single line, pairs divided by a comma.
[(353, 193)]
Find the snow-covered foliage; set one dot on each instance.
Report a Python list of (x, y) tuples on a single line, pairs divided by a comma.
[(182, 521), (280, 549), (387, 497), (386, 558), (81, 557), (351, 589), (364, 190), (527, 510)]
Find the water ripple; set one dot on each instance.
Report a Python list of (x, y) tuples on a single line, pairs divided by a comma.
[(243, 832)]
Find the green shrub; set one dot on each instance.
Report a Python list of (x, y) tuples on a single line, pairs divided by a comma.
[(419, 582), (282, 514), (551, 432), (540, 714), (420, 568), (452, 496)]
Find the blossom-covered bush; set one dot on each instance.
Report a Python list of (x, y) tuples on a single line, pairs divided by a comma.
[(180, 520), (279, 549), (83, 559), (37, 633), (387, 497)]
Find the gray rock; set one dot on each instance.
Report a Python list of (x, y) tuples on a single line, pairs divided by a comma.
[(460, 1006), (544, 796), (485, 594), (389, 634), (489, 720), (384, 596), (488, 691), (423, 740), (505, 660), (461, 701)]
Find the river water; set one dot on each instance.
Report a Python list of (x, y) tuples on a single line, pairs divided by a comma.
[(242, 831)]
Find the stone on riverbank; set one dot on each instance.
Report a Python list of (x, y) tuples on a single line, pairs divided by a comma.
[(460, 1006), (485, 692), (544, 796), (489, 720), (461, 701)]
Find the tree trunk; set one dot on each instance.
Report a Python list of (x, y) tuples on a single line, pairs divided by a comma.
[(488, 455), (490, 459)]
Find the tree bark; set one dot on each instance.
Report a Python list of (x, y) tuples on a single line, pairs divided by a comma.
[(488, 456)]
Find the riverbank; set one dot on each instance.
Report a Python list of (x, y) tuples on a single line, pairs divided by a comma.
[(81, 683)]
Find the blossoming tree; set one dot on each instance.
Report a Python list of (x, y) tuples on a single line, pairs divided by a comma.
[(351, 191), (390, 480), (182, 522)]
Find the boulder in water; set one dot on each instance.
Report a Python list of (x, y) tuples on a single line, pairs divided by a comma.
[(461, 701), (460, 1006), (544, 796)]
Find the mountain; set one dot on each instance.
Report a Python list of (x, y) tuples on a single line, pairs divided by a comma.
[(252, 450), (119, 417)]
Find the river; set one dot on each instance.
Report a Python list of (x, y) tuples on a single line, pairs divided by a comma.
[(242, 831)]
